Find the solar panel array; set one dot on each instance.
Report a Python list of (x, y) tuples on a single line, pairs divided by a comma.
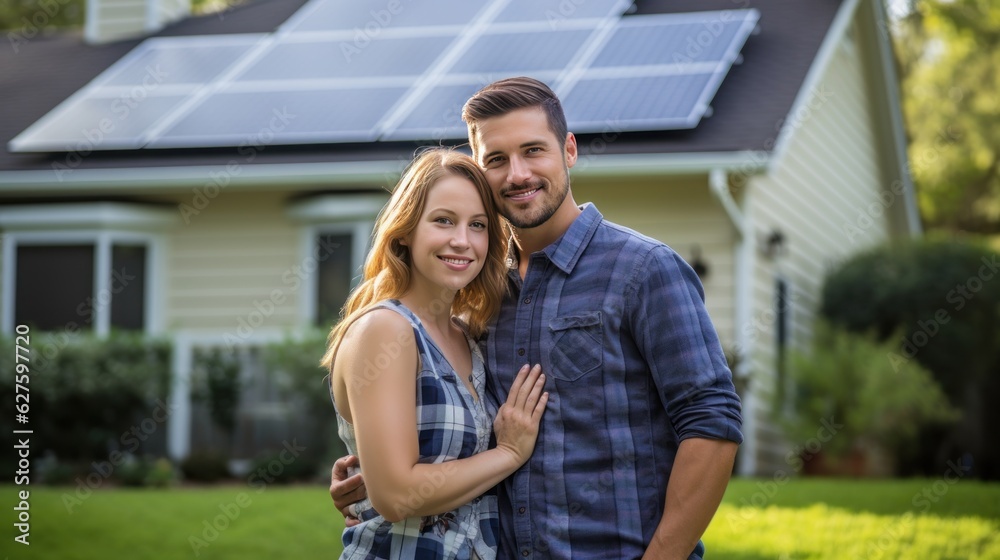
[(361, 71)]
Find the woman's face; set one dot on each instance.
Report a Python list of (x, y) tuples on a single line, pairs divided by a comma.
[(449, 246)]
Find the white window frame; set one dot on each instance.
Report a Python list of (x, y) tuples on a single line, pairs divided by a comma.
[(333, 214), (100, 224)]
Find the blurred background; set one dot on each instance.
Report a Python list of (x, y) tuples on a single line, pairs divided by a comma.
[(187, 190)]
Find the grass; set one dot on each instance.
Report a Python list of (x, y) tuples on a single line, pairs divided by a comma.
[(799, 519), (849, 519)]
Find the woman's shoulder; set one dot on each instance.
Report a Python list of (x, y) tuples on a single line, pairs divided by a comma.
[(380, 324)]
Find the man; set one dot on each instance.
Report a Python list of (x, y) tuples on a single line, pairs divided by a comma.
[(640, 393)]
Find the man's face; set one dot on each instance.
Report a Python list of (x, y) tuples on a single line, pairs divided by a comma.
[(527, 168)]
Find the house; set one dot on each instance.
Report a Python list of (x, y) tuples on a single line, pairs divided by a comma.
[(243, 234)]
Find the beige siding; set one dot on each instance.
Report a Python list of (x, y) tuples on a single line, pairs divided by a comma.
[(828, 177), (681, 212), (237, 251), (115, 19)]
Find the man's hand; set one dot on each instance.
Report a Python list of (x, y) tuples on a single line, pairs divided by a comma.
[(345, 490)]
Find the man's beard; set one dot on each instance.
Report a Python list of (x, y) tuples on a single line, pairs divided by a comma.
[(523, 221)]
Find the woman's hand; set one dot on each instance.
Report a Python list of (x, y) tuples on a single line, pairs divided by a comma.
[(516, 424)]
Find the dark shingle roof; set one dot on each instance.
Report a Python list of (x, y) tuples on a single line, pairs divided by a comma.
[(750, 104)]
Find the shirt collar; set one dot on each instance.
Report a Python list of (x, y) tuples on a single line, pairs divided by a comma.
[(565, 251)]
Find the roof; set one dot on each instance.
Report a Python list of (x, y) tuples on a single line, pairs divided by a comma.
[(753, 100)]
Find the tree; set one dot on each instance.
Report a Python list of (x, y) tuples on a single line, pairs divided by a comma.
[(949, 55)]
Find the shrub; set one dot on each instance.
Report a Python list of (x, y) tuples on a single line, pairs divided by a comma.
[(847, 381), (294, 365), (88, 393), (205, 466), (935, 301), (273, 467), (161, 474)]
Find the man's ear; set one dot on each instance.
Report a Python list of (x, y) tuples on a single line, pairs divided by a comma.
[(569, 152)]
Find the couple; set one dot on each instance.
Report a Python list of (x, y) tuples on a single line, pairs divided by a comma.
[(633, 408)]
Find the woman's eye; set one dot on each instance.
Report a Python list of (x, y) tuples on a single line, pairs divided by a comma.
[(478, 225), (442, 220)]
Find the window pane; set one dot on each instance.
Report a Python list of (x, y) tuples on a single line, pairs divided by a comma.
[(128, 287), (333, 253), (54, 286)]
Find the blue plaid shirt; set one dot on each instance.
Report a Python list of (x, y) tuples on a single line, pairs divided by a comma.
[(633, 366)]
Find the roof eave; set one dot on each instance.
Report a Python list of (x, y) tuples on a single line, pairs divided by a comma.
[(355, 174)]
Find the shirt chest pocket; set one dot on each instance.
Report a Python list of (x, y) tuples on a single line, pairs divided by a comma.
[(576, 345)]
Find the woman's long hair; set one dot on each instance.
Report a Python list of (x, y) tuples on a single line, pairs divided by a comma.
[(387, 272)]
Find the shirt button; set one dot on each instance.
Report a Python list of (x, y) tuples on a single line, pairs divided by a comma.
[(520, 510), (525, 553), (520, 351), (527, 300)]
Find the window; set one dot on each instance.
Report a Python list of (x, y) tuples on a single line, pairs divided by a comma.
[(54, 284), (80, 266), (335, 271), (335, 234)]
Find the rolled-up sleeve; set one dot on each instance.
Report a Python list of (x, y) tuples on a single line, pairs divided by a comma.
[(676, 337)]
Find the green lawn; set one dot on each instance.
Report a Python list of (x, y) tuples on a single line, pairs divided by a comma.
[(919, 519)]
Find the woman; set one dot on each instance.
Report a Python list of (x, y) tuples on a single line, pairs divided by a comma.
[(407, 378)]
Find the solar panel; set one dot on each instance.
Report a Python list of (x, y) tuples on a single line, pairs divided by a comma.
[(556, 12), (410, 56), (438, 116), (282, 117), (518, 52), (674, 39), (369, 70), (86, 124), (638, 103), (173, 62), (371, 17)]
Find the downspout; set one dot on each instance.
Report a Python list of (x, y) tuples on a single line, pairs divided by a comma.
[(718, 182)]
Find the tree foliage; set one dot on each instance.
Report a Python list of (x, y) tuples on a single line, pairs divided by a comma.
[(937, 301), (949, 60)]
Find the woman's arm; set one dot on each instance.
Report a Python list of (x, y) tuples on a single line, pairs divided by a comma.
[(378, 362)]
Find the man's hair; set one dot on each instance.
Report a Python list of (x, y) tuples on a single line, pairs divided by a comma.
[(504, 96)]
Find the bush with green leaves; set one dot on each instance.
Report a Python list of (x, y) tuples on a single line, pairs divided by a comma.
[(935, 301), (294, 364), (91, 396), (847, 381), (205, 466)]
